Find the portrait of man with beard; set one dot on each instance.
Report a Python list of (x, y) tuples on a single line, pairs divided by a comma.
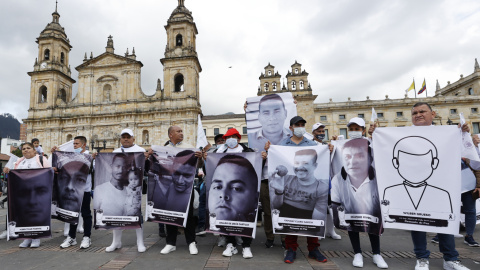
[(301, 195)]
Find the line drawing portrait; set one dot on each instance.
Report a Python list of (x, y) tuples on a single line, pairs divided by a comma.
[(416, 158)]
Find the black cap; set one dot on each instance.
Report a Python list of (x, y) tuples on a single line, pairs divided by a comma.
[(296, 119)]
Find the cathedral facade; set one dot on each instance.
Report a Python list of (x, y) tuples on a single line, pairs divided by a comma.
[(109, 96)]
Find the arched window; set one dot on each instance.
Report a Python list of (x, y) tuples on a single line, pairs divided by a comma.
[(62, 58), (274, 86), (179, 83), (294, 85), (178, 40), (69, 137), (42, 94), (145, 137), (265, 86), (63, 95), (107, 91), (470, 91), (46, 55), (296, 71), (301, 84)]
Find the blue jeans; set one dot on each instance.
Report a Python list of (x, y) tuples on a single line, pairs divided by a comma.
[(446, 245), (202, 205), (469, 211)]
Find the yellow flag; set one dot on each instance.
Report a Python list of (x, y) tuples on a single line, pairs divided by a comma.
[(412, 87)]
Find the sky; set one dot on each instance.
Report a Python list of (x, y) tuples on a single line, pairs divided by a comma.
[(350, 48)]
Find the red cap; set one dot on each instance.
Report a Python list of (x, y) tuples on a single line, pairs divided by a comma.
[(231, 132)]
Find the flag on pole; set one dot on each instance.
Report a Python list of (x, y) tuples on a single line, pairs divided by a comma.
[(201, 137), (412, 87), (424, 87), (374, 116)]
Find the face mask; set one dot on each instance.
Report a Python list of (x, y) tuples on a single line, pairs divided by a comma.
[(355, 134), (78, 150), (299, 131), (320, 137), (231, 142)]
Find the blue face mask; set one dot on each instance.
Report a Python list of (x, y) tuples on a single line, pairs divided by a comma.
[(78, 150)]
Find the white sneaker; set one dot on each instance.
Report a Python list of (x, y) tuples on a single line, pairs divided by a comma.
[(230, 250), (379, 261), (358, 260), (68, 242), (334, 236), (193, 248), (422, 264), (454, 265), (167, 249), (3, 235), (86, 242), (247, 253), (113, 247), (26, 243), (35, 243), (222, 241)]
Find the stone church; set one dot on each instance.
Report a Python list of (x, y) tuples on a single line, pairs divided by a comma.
[(109, 96)]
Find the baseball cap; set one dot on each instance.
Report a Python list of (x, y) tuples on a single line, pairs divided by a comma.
[(357, 120), (127, 131), (296, 119), (317, 125), (231, 132)]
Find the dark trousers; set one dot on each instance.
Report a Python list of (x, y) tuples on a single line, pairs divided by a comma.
[(189, 229), (5, 199), (355, 240), (87, 218), (267, 211), (202, 205), (247, 241), (291, 242)]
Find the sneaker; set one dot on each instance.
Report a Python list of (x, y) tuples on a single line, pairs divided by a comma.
[(230, 250), (269, 243), (290, 256), (222, 241), (3, 235), (315, 254), (454, 265), (470, 241), (68, 242), (35, 243), (379, 261), (26, 243), (193, 248), (435, 239), (247, 253), (167, 249), (334, 236), (422, 264), (200, 231), (86, 242), (358, 260)]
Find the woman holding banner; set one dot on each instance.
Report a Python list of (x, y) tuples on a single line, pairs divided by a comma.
[(30, 160)]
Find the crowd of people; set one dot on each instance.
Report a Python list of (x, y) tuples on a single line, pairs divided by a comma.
[(287, 197)]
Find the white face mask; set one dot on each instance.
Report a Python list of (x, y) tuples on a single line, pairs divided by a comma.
[(299, 131), (78, 150), (231, 142), (355, 134)]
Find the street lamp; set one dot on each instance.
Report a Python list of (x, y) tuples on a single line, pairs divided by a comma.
[(449, 122), (98, 147)]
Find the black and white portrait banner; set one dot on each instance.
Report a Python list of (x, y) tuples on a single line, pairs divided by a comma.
[(118, 190), (233, 188), (268, 118), (29, 201), (69, 184), (419, 177), (298, 184), (170, 185), (354, 194)]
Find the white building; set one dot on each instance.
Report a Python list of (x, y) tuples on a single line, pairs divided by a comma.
[(7, 145)]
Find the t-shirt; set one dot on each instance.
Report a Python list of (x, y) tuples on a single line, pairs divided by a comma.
[(306, 197), (39, 150), (361, 200), (110, 199), (29, 163)]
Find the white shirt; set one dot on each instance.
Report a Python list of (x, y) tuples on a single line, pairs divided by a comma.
[(361, 200), (29, 163), (133, 148), (112, 201)]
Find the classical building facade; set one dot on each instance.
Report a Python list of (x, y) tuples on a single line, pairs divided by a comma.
[(462, 96), (109, 96)]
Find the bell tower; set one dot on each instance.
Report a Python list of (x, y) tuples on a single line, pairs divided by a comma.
[(51, 81), (181, 67)]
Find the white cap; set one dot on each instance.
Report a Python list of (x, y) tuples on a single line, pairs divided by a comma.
[(317, 125), (127, 131), (357, 120)]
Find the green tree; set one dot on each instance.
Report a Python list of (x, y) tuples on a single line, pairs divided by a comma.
[(17, 152)]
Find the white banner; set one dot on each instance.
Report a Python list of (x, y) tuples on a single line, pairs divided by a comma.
[(419, 177)]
